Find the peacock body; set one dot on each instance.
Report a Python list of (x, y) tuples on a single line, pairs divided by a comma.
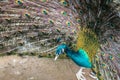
[(37, 27)]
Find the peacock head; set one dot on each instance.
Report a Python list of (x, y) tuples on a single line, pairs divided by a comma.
[(60, 50)]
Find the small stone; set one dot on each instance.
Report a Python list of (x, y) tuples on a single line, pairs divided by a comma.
[(31, 78), (17, 72), (23, 61)]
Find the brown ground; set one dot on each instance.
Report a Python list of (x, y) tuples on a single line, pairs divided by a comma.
[(33, 68)]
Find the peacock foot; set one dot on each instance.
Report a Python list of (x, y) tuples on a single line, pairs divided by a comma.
[(92, 75), (79, 74)]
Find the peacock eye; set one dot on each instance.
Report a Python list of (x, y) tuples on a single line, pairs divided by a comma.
[(19, 2), (68, 23), (63, 2), (64, 13), (81, 12), (51, 21), (111, 57), (27, 15), (103, 54), (78, 20), (104, 65), (44, 12)]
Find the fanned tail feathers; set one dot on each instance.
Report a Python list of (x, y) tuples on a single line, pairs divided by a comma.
[(35, 26), (38, 26), (103, 17)]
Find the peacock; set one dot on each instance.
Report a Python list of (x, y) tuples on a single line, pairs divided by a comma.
[(80, 57), (43, 27), (102, 20)]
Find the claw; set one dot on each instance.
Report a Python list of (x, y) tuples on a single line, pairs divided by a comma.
[(79, 75), (56, 57)]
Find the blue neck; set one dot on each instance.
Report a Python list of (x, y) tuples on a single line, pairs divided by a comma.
[(69, 52), (78, 57)]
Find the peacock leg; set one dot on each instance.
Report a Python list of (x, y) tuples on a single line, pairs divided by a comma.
[(79, 74), (92, 75)]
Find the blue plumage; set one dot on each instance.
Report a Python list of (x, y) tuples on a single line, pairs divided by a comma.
[(80, 57)]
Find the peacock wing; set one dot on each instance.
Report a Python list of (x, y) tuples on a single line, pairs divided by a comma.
[(83, 54)]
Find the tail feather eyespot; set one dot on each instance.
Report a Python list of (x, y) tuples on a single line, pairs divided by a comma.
[(44, 11), (64, 3), (19, 2)]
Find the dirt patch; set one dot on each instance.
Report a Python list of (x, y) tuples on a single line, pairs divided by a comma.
[(33, 68)]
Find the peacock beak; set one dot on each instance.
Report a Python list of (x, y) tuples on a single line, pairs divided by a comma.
[(63, 50), (56, 57)]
